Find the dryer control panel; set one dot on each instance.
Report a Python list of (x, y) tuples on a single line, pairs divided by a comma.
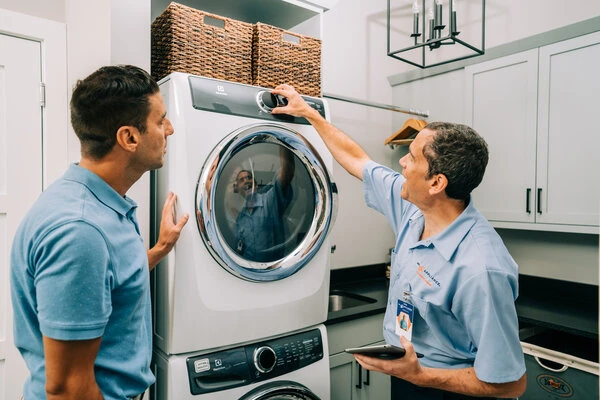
[(253, 363), (244, 100)]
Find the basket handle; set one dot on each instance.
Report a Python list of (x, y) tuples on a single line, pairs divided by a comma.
[(291, 37), (541, 363), (214, 20)]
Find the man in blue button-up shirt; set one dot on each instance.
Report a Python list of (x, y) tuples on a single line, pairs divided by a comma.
[(448, 264)]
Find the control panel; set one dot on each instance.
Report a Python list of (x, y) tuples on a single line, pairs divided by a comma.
[(253, 363), (244, 100)]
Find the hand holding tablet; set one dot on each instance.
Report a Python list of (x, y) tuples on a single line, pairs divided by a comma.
[(383, 351)]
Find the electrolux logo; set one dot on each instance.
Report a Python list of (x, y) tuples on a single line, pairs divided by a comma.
[(221, 90), (426, 276)]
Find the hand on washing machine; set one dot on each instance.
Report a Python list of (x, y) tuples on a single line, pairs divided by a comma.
[(169, 231)]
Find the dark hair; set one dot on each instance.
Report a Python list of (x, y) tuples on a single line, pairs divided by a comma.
[(458, 152), (111, 97)]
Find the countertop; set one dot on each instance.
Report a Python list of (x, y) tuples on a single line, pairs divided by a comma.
[(559, 305)]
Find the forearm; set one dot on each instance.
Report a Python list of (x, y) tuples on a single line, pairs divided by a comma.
[(345, 150), (155, 254), (465, 381)]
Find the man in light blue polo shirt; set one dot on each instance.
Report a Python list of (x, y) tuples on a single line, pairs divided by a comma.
[(451, 273), (79, 269)]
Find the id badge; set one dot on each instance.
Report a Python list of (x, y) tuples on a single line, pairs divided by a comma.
[(404, 319)]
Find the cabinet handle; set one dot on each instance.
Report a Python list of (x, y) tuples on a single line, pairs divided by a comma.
[(367, 381), (359, 384), (539, 201), (528, 201)]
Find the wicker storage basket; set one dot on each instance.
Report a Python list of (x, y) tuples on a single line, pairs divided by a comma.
[(276, 60), (182, 41)]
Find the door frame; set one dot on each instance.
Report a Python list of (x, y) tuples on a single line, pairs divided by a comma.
[(52, 36)]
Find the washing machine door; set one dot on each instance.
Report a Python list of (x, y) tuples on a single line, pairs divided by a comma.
[(281, 390), (264, 202)]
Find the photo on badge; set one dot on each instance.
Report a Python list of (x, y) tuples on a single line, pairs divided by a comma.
[(404, 319)]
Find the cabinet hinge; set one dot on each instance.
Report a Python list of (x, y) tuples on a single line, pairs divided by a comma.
[(42, 94)]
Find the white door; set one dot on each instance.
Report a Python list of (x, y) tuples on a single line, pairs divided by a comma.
[(568, 137), (20, 178), (501, 103)]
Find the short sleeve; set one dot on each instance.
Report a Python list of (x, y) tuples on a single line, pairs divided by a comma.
[(72, 282), (382, 187), (485, 303)]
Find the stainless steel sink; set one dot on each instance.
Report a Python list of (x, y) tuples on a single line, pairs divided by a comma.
[(340, 300)]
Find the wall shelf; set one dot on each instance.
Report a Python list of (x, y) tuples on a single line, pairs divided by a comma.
[(280, 13)]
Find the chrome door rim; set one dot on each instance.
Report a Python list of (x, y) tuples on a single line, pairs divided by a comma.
[(287, 388), (205, 192)]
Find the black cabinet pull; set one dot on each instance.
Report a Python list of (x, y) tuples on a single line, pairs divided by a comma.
[(359, 384), (539, 201), (367, 381), (528, 201)]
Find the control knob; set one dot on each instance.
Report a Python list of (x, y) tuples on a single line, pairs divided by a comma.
[(265, 359), (268, 101)]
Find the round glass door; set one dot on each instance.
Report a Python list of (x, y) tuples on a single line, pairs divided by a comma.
[(281, 390), (264, 202)]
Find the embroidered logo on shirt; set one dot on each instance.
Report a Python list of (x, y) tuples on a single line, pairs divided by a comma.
[(427, 277)]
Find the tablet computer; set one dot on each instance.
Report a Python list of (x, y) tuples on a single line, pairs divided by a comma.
[(383, 351)]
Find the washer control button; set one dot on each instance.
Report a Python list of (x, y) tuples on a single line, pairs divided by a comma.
[(265, 359), (268, 101)]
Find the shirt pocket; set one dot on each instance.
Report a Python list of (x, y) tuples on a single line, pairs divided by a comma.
[(421, 306)]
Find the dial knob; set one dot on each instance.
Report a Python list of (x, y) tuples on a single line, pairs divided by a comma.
[(265, 359), (268, 101)]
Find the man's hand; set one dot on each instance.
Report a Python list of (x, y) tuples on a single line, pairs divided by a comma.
[(296, 105), (169, 231), (406, 367)]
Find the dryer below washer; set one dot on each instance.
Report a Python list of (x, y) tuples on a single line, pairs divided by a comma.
[(291, 367)]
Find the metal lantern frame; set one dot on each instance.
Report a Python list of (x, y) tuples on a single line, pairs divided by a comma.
[(435, 39)]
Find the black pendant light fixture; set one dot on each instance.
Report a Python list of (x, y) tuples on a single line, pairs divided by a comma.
[(436, 25)]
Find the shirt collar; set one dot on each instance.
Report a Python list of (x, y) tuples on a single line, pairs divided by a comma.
[(102, 190), (447, 241)]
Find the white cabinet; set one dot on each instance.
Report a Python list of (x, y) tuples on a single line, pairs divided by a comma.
[(532, 108), (349, 381), (502, 107), (568, 138)]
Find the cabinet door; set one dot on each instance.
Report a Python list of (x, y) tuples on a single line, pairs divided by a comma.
[(349, 381), (501, 97), (568, 137), (340, 375), (369, 385)]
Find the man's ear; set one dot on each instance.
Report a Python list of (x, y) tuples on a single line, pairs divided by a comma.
[(128, 138), (438, 184)]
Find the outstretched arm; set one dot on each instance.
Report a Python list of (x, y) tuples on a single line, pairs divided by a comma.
[(169, 232), (345, 151), (288, 168)]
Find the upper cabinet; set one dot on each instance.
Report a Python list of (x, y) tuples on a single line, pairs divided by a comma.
[(300, 16), (533, 109)]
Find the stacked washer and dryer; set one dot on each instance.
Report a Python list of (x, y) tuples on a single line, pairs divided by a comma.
[(239, 303)]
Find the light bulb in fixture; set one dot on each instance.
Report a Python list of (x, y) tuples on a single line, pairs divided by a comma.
[(453, 28), (437, 12), (415, 11)]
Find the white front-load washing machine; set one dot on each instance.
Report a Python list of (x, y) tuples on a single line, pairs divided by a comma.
[(292, 367), (253, 260)]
